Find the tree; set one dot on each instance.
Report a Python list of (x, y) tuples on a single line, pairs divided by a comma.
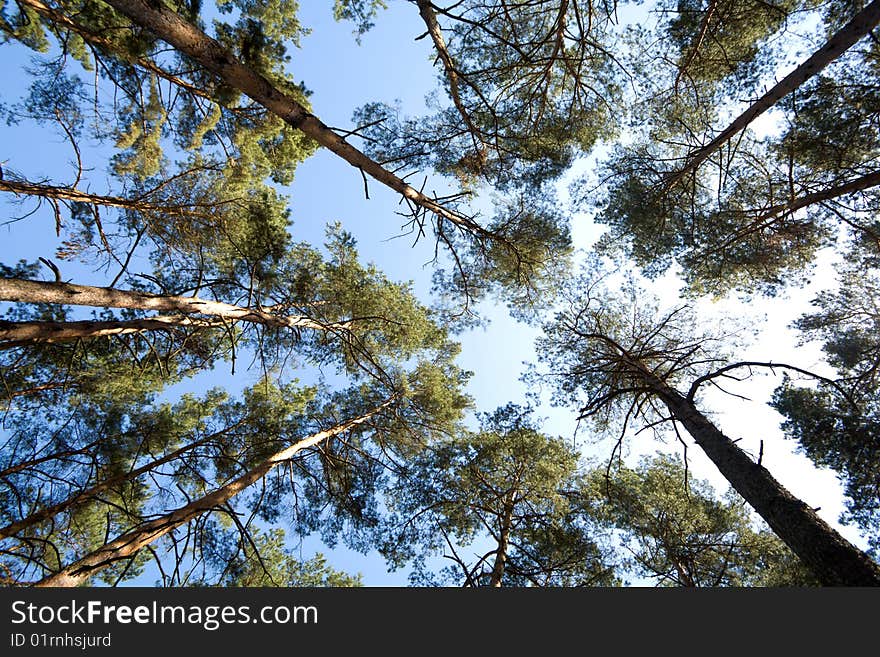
[(503, 487), (680, 534), (191, 162), (93, 448), (836, 423), (861, 24), (341, 469), (529, 85), (129, 544), (184, 123), (756, 218), (266, 561), (64, 475), (216, 59), (619, 360)]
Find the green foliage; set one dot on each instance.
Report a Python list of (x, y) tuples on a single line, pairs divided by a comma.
[(141, 152), (52, 453), (720, 39), (359, 12), (504, 486), (679, 533), (525, 90), (263, 559), (740, 230), (22, 25), (753, 216), (837, 423), (524, 261), (831, 133)]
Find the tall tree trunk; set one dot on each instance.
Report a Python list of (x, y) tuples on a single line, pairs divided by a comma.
[(855, 185), (426, 11), (24, 291), (503, 541), (129, 543), (192, 42), (88, 493), (16, 334), (774, 213), (852, 32), (59, 193), (831, 558)]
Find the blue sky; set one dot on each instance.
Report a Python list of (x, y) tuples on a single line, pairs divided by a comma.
[(390, 65)]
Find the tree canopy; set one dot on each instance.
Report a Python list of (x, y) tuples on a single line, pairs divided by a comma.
[(199, 377)]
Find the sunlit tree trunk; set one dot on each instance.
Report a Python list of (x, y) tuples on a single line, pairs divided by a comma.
[(16, 334), (858, 27), (24, 291), (192, 42), (60, 193), (127, 545)]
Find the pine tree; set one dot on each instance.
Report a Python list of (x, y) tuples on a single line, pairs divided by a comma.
[(500, 493), (620, 360)]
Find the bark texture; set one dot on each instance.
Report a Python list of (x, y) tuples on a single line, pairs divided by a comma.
[(128, 544), (859, 27), (61, 193), (834, 560), (192, 42), (23, 291), (16, 334)]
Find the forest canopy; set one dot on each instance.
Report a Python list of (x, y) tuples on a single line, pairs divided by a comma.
[(472, 287)]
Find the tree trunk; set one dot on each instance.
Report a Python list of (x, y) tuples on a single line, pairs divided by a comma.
[(426, 11), (128, 544), (89, 493), (503, 542), (16, 334), (856, 185), (72, 194), (23, 291), (774, 213), (852, 32), (192, 42), (833, 559)]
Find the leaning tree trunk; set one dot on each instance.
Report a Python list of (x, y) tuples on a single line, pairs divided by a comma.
[(860, 26), (129, 544), (831, 558), (192, 42), (24, 291), (856, 185), (74, 195), (17, 334), (89, 493), (775, 213)]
